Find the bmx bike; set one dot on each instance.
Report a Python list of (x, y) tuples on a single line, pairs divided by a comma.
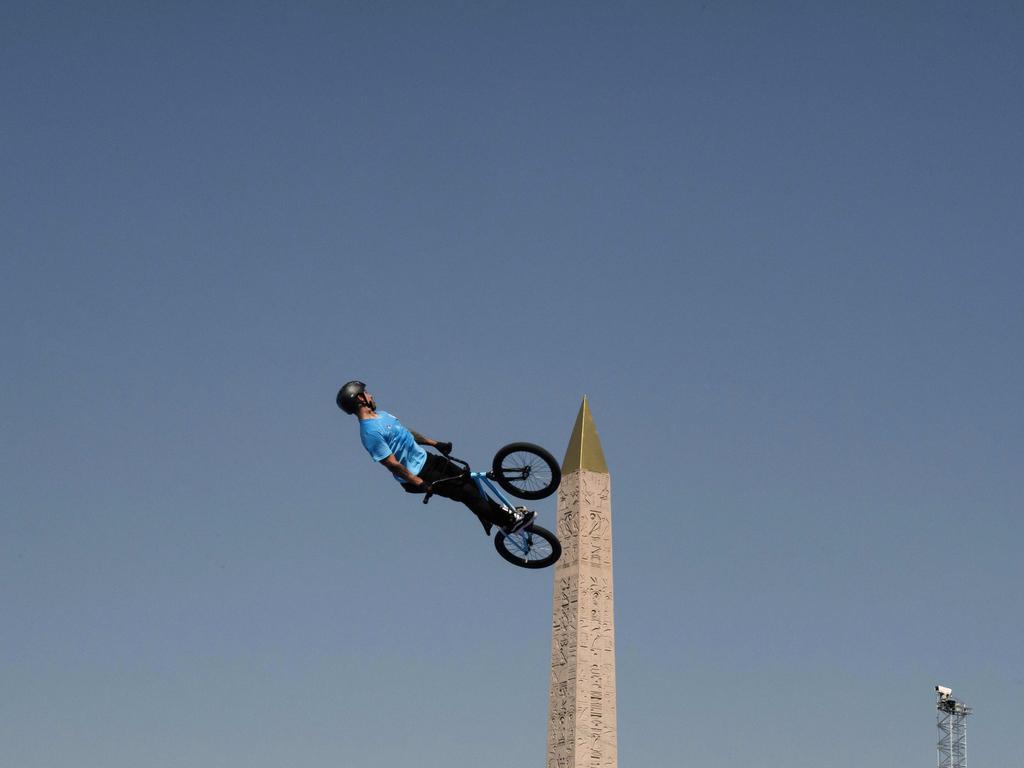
[(526, 471)]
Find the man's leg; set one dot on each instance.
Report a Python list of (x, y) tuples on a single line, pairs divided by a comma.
[(462, 489)]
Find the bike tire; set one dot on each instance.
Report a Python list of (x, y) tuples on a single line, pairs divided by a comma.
[(532, 547), (543, 472)]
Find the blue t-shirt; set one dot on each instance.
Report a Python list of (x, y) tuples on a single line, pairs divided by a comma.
[(386, 435)]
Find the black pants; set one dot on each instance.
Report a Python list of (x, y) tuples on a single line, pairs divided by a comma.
[(462, 489)]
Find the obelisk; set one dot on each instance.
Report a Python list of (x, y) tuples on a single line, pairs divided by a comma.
[(581, 710)]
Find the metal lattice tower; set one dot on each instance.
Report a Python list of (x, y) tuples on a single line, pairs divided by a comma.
[(952, 722)]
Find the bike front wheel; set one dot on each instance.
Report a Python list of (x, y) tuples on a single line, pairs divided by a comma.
[(527, 471), (532, 547)]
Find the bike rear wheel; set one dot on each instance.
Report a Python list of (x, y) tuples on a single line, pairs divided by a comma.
[(532, 547), (527, 471)]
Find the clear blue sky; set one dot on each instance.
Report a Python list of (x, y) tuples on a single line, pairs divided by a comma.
[(778, 245)]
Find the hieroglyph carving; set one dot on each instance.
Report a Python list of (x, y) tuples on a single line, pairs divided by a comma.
[(581, 722)]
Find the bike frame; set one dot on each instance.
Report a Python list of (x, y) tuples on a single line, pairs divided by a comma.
[(489, 490), (482, 480), (484, 484), (516, 547), (521, 540)]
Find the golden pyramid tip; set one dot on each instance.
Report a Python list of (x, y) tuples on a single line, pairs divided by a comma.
[(584, 451)]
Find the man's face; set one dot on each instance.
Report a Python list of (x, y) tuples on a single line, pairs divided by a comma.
[(369, 400)]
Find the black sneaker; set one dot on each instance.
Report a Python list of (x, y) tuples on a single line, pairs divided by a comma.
[(522, 518)]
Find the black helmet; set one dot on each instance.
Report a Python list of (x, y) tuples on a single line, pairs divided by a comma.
[(348, 396)]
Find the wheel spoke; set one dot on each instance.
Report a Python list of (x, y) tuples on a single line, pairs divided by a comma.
[(538, 473)]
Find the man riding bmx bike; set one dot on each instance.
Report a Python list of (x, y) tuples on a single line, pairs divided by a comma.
[(399, 451)]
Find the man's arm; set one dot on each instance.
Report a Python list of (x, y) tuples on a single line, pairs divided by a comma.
[(421, 439), (445, 448), (395, 467)]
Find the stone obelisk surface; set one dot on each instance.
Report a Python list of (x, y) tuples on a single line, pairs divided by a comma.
[(581, 711)]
